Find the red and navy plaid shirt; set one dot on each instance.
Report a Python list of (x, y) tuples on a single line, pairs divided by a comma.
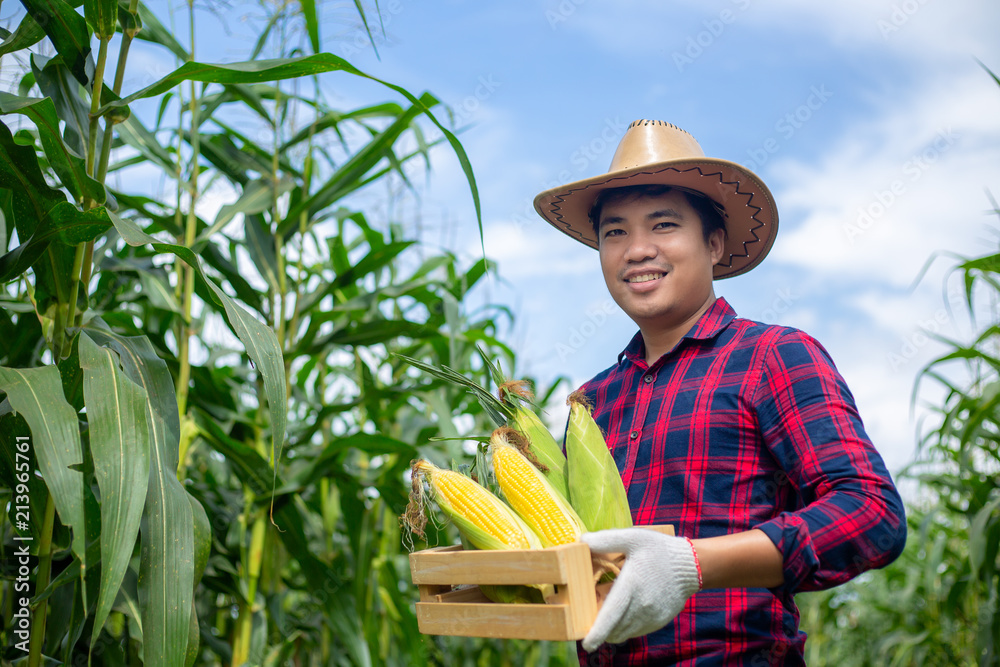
[(744, 425)]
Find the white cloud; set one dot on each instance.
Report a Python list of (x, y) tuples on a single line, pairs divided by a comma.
[(527, 253), (895, 188), (924, 30)]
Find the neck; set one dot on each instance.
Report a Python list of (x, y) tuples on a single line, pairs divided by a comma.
[(659, 339)]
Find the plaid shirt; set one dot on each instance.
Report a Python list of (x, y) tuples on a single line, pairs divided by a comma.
[(744, 425)]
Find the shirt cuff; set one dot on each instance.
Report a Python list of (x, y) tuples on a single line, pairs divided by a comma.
[(790, 534)]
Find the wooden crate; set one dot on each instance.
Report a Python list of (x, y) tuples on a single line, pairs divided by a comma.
[(452, 604)]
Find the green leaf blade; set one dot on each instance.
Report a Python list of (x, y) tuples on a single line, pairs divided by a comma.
[(119, 443), (37, 394), (67, 30), (167, 551), (69, 167), (261, 342)]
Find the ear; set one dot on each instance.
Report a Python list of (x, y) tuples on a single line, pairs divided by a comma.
[(716, 245)]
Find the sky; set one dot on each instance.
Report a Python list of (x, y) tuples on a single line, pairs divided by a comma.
[(872, 122)]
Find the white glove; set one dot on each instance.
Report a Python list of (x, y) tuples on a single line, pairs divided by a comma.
[(659, 575)]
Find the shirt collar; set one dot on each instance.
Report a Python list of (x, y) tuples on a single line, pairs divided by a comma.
[(710, 324)]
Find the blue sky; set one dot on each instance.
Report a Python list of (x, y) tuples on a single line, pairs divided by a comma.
[(870, 120)]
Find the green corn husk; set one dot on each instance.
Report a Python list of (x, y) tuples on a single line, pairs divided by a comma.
[(544, 447), (596, 490)]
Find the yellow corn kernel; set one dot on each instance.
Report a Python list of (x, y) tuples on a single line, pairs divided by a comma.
[(544, 447), (482, 518), (531, 494)]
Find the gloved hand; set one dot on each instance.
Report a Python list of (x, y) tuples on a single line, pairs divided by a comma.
[(659, 575)]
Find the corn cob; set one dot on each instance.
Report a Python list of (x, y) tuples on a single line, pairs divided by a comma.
[(482, 518), (483, 521), (595, 487), (530, 493), (544, 447)]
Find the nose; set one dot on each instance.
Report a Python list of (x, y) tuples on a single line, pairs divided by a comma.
[(640, 248)]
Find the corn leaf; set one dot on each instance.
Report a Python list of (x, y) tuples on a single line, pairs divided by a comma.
[(27, 34), (155, 32), (102, 15), (20, 173), (260, 341), (63, 222), (258, 196), (261, 248), (135, 134), (37, 395), (119, 443), (312, 23), (498, 411), (166, 568), (67, 30), (12, 426), (259, 71), (70, 167), (979, 533), (56, 81)]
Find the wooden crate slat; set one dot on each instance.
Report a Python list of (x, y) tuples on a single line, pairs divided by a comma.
[(520, 566), (523, 621)]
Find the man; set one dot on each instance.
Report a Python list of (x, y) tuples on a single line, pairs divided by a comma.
[(741, 435)]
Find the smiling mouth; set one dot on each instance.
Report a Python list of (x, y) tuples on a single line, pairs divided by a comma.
[(645, 277)]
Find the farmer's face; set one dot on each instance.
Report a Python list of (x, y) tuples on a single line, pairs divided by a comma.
[(655, 260)]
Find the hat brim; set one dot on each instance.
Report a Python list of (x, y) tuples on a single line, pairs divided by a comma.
[(751, 214)]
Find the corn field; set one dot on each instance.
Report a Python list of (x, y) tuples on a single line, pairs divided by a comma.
[(206, 422)]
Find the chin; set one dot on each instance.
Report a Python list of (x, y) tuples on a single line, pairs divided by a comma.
[(649, 314)]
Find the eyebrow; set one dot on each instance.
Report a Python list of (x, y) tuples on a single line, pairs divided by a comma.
[(655, 215)]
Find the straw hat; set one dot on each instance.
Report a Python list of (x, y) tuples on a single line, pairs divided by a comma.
[(653, 151)]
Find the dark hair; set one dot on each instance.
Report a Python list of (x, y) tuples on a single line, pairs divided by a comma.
[(708, 211)]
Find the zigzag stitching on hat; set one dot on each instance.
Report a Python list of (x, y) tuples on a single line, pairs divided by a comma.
[(736, 186)]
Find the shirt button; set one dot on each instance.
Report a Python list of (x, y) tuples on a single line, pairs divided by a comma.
[(648, 378), (633, 435)]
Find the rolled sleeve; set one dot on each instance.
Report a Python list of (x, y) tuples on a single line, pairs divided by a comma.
[(847, 516)]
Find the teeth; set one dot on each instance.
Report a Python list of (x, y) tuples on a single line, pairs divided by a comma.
[(644, 278)]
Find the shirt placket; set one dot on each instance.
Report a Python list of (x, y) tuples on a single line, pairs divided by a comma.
[(643, 397)]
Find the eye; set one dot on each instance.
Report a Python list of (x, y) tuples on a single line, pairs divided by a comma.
[(613, 231), (666, 224)]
